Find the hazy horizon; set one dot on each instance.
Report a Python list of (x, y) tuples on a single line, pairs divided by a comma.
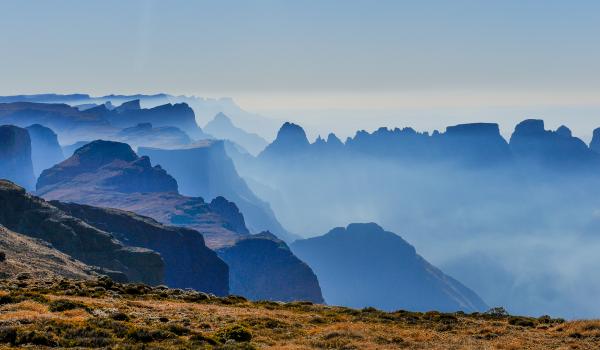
[(330, 65)]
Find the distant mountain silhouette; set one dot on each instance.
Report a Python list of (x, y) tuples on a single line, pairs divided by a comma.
[(263, 268), (555, 149), (15, 156), (362, 265), (73, 124), (34, 217), (204, 169), (204, 108), (222, 127), (291, 140), (472, 144), (145, 134), (45, 150)]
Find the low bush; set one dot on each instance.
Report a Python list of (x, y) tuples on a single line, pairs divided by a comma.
[(236, 333), (65, 305)]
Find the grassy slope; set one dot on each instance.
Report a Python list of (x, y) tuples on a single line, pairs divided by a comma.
[(98, 313)]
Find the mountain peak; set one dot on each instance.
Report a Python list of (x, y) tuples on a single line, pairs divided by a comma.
[(222, 118), (564, 131), (291, 138), (530, 126), (109, 164), (101, 152)]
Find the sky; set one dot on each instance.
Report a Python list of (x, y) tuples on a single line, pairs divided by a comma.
[(331, 64)]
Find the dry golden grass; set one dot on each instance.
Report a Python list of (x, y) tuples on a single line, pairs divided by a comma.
[(120, 316)]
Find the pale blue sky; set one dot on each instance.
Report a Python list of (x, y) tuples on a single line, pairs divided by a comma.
[(318, 55)]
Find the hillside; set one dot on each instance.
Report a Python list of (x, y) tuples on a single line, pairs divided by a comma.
[(20, 254), (101, 314)]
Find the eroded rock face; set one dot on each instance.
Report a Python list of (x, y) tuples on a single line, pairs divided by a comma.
[(15, 156), (45, 150), (363, 265), (188, 262), (261, 267), (34, 217)]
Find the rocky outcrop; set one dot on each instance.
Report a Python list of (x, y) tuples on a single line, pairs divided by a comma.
[(531, 143), (188, 262), (45, 150), (38, 259), (115, 166), (363, 265), (204, 169), (474, 144), (261, 267), (34, 217), (222, 127), (15, 156), (110, 174), (144, 134)]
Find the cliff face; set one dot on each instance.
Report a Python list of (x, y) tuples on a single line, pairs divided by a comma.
[(188, 262), (15, 156), (34, 217), (261, 267), (45, 150), (205, 170), (363, 265)]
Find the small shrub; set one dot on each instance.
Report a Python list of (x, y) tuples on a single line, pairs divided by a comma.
[(8, 335), (65, 305), (521, 321), (119, 316), (236, 333), (145, 335), (203, 339), (178, 329), (35, 338)]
